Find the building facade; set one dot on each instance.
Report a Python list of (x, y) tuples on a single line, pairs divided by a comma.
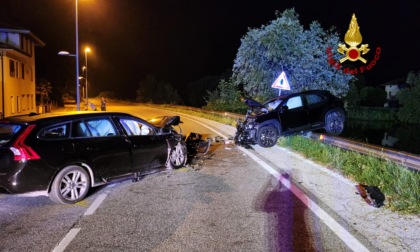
[(17, 71)]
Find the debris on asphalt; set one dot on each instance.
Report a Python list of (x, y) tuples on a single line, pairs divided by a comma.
[(371, 195)]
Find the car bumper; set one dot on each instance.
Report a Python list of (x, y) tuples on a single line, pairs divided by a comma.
[(23, 177)]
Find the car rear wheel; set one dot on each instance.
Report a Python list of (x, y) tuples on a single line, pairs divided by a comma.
[(334, 122), (70, 185), (177, 156), (267, 136)]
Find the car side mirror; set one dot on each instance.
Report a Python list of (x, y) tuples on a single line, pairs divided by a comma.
[(283, 108)]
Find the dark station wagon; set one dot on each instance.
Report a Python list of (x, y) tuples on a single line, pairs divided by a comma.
[(291, 114), (65, 154)]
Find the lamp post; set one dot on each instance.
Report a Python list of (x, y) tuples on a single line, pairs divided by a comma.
[(83, 88), (77, 62), (86, 77)]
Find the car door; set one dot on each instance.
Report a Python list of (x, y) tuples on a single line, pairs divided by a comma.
[(316, 105), (98, 142), (149, 150), (293, 115)]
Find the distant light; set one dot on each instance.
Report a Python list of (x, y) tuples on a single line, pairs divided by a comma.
[(321, 137), (65, 53)]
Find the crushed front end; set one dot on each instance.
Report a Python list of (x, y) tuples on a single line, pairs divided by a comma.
[(247, 128), (246, 131)]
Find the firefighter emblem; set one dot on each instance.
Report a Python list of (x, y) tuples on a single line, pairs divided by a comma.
[(353, 39)]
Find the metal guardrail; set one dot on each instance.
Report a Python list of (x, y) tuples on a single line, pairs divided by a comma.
[(411, 161)]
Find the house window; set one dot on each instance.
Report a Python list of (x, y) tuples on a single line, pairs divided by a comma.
[(22, 70), (12, 68), (13, 39), (3, 37)]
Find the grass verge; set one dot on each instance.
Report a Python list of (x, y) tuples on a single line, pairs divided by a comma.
[(400, 185)]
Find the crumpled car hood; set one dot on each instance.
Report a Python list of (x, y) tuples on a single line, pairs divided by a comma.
[(252, 103), (165, 121)]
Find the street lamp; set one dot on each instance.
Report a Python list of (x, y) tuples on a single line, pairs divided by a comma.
[(65, 53), (77, 62), (86, 77)]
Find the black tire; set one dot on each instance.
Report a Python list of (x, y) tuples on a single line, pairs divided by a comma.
[(334, 122), (177, 156), (267, 136), (71, 185)]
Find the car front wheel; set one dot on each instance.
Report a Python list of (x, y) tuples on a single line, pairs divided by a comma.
[(267, 136), (334, 122), (71, 185), (177, 156)]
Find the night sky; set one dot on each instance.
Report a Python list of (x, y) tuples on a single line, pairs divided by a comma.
[(180, 41)]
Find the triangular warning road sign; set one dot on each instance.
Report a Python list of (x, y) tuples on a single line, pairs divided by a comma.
[(281, 82)]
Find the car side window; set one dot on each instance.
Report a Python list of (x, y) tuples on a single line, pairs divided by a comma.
[(54, 132), (101, 127), (80, 130), (135, 128), (7, 131), (94, 128), (313, 99), (294, 102)]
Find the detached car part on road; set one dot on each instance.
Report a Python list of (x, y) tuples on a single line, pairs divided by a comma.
[(65, 154), (292, 114)]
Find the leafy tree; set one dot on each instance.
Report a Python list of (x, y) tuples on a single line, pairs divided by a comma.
[(153, 91), (410, 100), (352, 98), (226, 97), (56, 97), (43, 90), (284, 45), (372, 97)]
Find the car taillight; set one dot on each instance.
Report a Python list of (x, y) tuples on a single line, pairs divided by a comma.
[(21, 151)]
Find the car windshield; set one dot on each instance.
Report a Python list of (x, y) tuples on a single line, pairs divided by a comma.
[(7, 131), (273, 104)]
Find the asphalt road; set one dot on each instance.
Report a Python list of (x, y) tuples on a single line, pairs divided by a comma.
[(229, 199)]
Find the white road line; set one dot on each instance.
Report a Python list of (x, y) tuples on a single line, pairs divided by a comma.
[(73, 232), (66, 240), (341, 232), (98, 201)]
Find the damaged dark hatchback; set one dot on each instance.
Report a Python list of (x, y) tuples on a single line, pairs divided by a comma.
[(292, 114), (65, 154)]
